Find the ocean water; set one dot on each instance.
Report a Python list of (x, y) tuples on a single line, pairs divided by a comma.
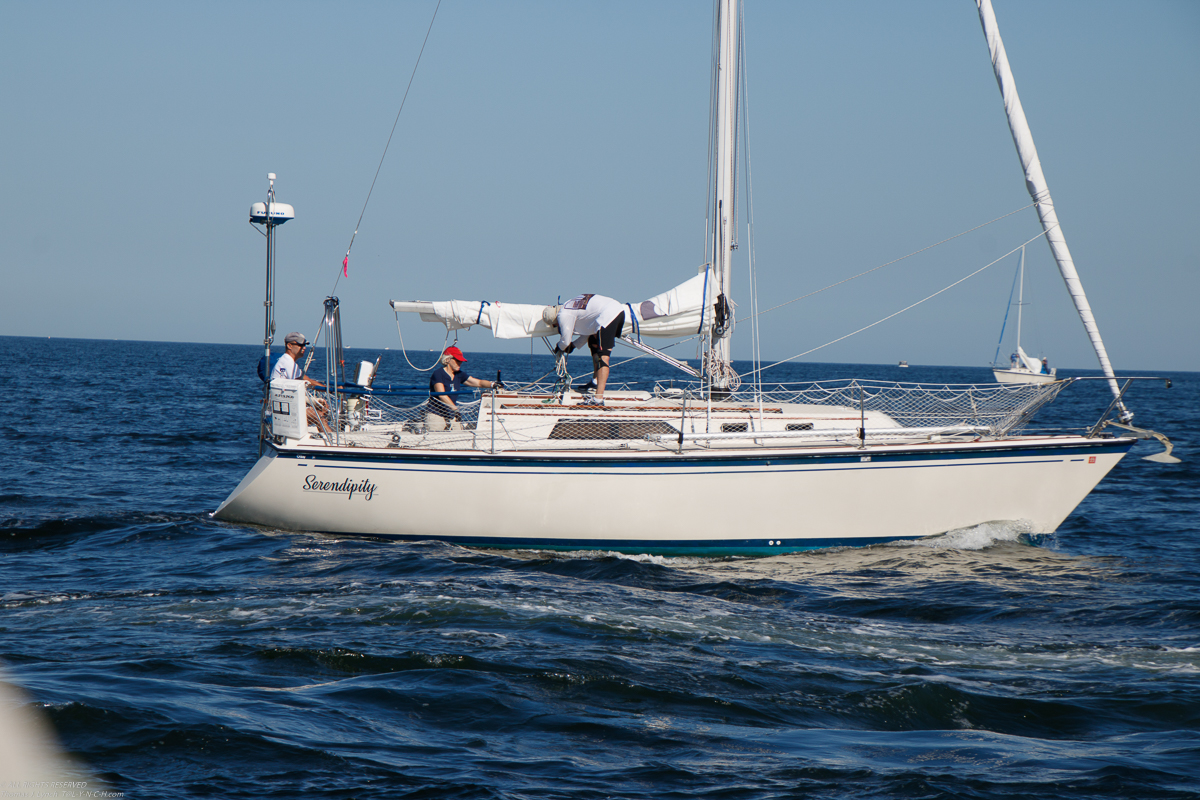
[(179, 657)]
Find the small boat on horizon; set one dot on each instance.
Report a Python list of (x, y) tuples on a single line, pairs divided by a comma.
[(1022, 368)]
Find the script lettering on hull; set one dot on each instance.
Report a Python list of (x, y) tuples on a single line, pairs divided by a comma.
[(346, 486)]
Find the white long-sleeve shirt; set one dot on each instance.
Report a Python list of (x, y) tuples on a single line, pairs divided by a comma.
[(584, 315), (287, 368)]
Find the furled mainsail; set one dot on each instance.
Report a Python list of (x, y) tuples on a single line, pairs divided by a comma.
[(675, 313)]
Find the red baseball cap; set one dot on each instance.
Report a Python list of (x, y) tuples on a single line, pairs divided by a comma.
[(456, 354)]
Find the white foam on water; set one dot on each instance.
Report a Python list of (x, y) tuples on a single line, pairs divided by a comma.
[(592, 555), (977, 537), (892, 643), (667, 561)]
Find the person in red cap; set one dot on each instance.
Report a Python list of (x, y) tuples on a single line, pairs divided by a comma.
[(444, 385)]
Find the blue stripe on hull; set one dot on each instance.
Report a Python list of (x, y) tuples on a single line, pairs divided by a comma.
[(697, 464)]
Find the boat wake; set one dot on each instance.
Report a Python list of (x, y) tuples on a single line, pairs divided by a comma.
[(974, 538), (978, 537), (595, 555)]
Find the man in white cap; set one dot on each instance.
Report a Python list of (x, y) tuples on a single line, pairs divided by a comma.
[(288, 368), (596, 319)]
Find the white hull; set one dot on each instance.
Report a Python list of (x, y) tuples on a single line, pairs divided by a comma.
[(788, 498), (1022, 376)]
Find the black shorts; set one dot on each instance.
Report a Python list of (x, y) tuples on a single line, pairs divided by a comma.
[(602, 343)]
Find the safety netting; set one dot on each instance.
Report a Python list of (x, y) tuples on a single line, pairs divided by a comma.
[(997, 408), (541, 416)]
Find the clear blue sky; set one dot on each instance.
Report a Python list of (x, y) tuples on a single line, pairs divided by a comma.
[(554, 148)]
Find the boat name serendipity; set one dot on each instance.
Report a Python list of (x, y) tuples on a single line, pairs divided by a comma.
[(314, 484)]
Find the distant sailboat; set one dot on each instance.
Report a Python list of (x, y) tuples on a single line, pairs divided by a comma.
[(1022, 368)]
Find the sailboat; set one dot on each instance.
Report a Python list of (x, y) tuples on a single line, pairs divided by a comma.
[(1021, 367), (710, 467)]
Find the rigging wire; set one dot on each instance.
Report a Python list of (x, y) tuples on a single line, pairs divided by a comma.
[(1031, 312), (897, 260), (712, 127), (709, 201), (405, 350), (906, 308), (1012, 290), (546, 342), (694, 337), (744, 95), (736, 145), (312, 345), (346, 261), (614, 365)]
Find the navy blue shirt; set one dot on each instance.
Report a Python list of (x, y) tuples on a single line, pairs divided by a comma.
[(452, 386)]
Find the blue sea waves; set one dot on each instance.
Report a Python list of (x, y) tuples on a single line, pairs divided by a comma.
[(175, 656)]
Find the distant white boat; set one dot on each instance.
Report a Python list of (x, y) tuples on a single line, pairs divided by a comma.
[(904, 364), (1021, 371), (1022, 368)]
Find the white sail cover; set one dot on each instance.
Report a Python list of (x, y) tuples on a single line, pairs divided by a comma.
[(1035, 181), (1031, 364), (674, 313)]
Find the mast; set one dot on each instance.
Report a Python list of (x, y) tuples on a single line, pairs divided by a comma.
[(1035, 182), (723, 208)]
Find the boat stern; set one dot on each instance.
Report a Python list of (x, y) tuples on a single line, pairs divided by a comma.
[(233, 508)]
